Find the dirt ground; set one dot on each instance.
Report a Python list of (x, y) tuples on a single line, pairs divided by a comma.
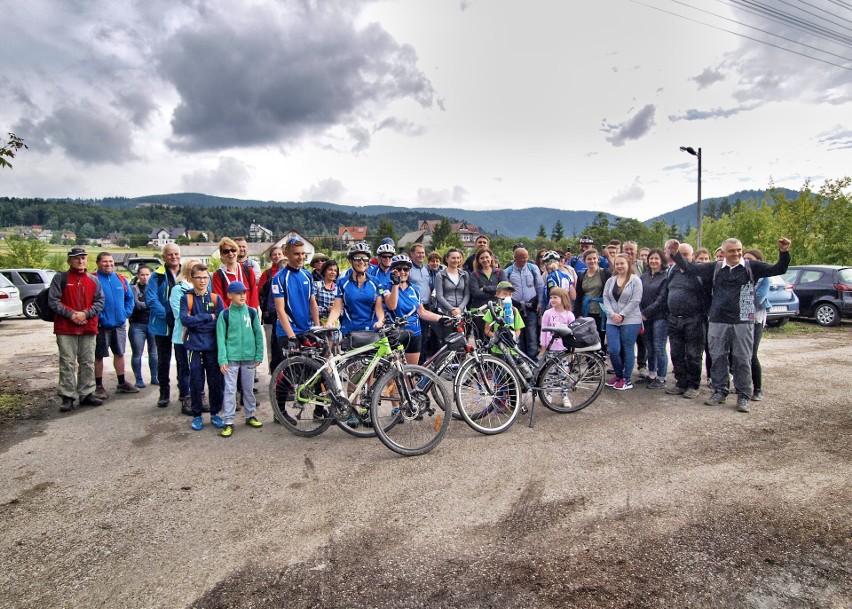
[(640, 500)]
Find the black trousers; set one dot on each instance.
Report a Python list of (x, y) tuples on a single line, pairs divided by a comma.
[(686, 345), (164, 364)]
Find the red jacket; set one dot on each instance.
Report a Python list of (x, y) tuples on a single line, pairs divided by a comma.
[(246, 275), (82, 292)]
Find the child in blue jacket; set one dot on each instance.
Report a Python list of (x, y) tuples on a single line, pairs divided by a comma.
[(199, 310)]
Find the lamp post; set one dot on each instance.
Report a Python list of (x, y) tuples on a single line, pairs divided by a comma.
[(692, 151)]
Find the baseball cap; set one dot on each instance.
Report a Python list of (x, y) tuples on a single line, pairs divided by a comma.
[(236, 286), (504, 285)]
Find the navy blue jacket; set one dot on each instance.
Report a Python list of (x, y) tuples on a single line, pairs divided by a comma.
[(199, 325)]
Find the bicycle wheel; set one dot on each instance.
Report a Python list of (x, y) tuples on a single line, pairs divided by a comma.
[(301, 408), (571, 382), (411, 410), (488, 394), (351, 371)]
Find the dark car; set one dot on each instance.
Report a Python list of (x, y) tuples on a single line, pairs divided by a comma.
[(783, 303), (824, 291)]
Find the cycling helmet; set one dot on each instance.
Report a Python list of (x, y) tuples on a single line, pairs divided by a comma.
[(359, 248), (551, 256), (400, 260), (586, 240), (385, 248)]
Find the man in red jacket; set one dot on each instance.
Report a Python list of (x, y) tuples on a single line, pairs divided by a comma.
[(76, 298)]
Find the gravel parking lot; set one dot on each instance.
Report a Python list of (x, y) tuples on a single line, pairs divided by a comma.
[(641, 500)]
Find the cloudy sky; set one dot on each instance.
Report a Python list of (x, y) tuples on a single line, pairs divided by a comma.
[(477, 104)]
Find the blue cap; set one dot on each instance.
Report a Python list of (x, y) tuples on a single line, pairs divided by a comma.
[(386, 240), (236, 286)]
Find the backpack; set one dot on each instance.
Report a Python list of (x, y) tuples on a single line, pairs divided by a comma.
[(190, 300), (530, 267), (267, 302), (45, 313)]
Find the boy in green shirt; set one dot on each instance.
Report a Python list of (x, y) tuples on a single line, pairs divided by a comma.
[(239, 337), (504, 290)]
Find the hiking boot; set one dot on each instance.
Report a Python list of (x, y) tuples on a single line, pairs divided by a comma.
[(162, 402), (186, 409), (101, 393), (624, 385), (197, 423), (675, 390), (227, 431), (91, 400), (743, 403), (717, 398), (757, 396), (217, 421), (253, 422), (613, 381), (67, 405), (126, 387), (690, 393), (205, 405), (656, 383)]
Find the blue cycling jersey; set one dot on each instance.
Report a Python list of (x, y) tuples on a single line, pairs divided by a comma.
[(296, 286), (359, 305), (408, 301)]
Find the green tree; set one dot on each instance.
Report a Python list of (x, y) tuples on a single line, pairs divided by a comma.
[(441, 232), (182, 240), (542, 233), (558, 232), (24, 253), (386, 229), (10, 149)]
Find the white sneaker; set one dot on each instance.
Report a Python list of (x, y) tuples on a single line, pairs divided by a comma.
[(566, 401)]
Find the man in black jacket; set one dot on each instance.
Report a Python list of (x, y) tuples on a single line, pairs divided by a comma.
[(687, 306), (732, 310)]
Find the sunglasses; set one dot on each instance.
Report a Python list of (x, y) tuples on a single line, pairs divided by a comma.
[(295, 241), (360, 259), (230, 251), (403, 269)]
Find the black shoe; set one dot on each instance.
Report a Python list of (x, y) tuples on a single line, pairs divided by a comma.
[(717, 398), (67, 405), (163, 401), (90, 400), (186, 409), (743, 403), (757, 395)]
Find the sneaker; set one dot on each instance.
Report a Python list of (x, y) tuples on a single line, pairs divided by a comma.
[(101, 393), (717, 398), (643, 372), (353, 422), (624, 385), (743, 403), (613, 381), (757, 396), (656, 383), (690, 393), (197, 423), (126, 387), (67, 405), (566, 401), (253, 422), (675, 390), (227, 431), (140, 384), (320, 413), (90, 400), (217, 421), (155, 382)]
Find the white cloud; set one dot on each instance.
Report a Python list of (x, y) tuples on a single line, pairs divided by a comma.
[(230, 177)]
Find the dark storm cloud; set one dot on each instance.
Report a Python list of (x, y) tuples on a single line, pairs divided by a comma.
[(271, 79), (85, 131), (137, 105), (631, 129)]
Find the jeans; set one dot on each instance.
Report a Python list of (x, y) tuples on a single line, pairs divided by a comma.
[(686, 338), (656, 335), (205, 364), (622, 342), (642, 347), (182, 362), (246, 371), (756, 370), (736, 340), (139, 337), (529, 339)]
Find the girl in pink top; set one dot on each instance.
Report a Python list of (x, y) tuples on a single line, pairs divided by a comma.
[(559, 314)]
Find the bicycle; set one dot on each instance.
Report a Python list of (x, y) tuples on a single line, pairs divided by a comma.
[(409, 405), (576, 374)]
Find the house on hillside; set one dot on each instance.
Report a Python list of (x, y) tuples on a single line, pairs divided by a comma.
[(45, 235), (161, 237), (69, 235), (426, 228), (259, 233), (201, 236), (347, 235), (310, 248)]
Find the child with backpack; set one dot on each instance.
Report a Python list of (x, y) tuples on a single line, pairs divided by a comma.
[(240, 344), (199, 310)]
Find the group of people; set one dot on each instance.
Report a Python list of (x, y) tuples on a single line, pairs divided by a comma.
[(218, 326)]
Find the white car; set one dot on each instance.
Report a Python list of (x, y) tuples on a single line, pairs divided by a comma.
[(10, 299)]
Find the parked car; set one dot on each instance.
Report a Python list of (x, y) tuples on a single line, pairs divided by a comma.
[(10, 299), (783, 302), (132, 265), (824, 291), (29, 283)]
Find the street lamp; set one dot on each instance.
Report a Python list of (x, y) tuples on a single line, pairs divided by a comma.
[(692, 151)]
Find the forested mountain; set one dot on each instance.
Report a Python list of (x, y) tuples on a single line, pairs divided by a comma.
[(716, 207)]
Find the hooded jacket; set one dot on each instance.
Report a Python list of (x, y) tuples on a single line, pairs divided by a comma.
[(118, 301)]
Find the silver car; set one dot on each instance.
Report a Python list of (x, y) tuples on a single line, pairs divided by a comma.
[(10, 299), (29, 283)]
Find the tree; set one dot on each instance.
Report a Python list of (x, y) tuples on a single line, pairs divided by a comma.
[(385, 229), (439, 235), (182, 240), (541, 232), (558, 233), (24, 253), (10, 149)]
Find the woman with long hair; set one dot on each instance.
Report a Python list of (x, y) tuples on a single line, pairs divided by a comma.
[(483, 283), (655, 317), (590, 287), (622, 295)]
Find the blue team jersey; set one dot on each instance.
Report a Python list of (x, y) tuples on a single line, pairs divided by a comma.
[(359, 305), (408, 301), (296, 287), (382, 278)]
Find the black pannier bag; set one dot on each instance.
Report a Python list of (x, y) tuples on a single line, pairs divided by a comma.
[(456, 342), (359, 338), (585, 333)]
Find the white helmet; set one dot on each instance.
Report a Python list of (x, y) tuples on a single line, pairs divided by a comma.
[(385, 248), (359, 248), (551, 256), (400, 260)]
